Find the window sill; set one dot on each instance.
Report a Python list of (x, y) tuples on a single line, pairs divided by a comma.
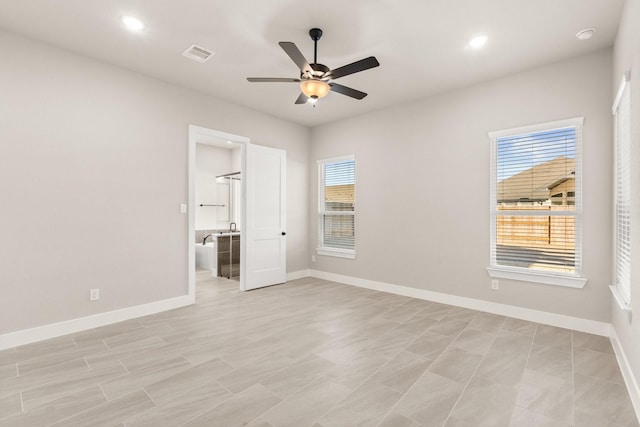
[(535, 277), (339, 253), (622, 303)]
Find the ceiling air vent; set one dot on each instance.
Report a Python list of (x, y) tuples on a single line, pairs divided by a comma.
[(197, 53)]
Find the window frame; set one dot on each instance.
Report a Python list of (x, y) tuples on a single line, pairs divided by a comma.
[(574, 279), (321, 249), (621, 291)]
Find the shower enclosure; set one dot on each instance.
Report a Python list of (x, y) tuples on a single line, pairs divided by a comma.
[(229, 189)]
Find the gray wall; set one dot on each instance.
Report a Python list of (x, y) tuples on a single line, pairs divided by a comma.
[(627, 57), (422, 185), (93, 169)]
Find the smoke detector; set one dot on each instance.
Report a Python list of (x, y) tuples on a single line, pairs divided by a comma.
[(585, 34), (198, 53)]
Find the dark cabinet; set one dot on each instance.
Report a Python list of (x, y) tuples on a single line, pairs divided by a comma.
[(229, 256)]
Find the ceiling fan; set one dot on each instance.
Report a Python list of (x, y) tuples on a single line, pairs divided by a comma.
[(316, 80)]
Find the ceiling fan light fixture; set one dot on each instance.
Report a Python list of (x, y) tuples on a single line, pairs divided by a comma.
[(314, 89)]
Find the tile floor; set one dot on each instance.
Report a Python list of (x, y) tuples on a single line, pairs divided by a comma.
[(315, 353)]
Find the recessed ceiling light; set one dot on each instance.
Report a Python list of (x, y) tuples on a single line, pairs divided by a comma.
[(478, 41), (132, 23), (585, 34)]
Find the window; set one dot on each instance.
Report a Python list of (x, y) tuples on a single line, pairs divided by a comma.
[(622, 112), (336, 207), (536, 203)]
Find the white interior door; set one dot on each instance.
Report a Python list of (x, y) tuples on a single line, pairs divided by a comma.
[(265, 233)]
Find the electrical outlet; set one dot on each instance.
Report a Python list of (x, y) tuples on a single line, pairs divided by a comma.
[(94, 294), (313, 258), (495, 285)]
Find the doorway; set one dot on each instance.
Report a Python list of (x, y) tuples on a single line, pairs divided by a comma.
[(262, 209), (212, 156)]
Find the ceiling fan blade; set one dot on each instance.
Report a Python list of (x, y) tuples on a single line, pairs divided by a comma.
[(296, 56), (335, 87), (302, 99), (272, 80), (355, 67)]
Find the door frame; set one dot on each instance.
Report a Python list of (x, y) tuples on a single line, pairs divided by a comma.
[(194, 133)]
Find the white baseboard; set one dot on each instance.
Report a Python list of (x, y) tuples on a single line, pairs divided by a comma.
[(627, 373), (553, 319), (27, 336), (298, 274)]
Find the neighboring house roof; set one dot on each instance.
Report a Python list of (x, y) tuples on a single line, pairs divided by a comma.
[(534, 183)]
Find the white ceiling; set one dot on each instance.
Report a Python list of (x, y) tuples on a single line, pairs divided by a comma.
[(421, 44)]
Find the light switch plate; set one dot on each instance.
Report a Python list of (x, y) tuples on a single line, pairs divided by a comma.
[(183, 208)]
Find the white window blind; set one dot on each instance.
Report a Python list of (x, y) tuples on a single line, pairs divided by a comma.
[(535, 199), (336, 207), (622, 111)]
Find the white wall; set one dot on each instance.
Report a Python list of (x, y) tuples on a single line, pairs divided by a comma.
[(627, 57), (422, 185), (210, 162), (93, 169)]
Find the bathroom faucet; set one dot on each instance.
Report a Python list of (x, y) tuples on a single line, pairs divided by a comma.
[(233, 227), (205, 238)]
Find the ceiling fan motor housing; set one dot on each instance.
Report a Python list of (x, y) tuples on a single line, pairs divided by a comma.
[(320, 72)]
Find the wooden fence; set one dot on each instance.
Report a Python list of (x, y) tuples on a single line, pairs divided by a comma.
[(546, 231)]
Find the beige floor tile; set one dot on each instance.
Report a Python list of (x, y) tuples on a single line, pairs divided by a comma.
[(485, 404), (550, 336), (396, 420), (144, 377), (182, 408), (57, 410), (364, 407), (9, 370), (502, 368), (402, 371), (512, 343), (474, 340), (603, 400), (597, 364), (486, 322), (173, 386), (524, 418), (430, 345), (69, 384), (238, 410), (547, 395), (430, 400), (306, 406), (123, 352), (111, 413), (592, 342), (450, 327), (416, 325), (42, 378), (259, 422), (10, 405), (456, 364), (319, 353), (550, 361), (50, 360), (520, 327)]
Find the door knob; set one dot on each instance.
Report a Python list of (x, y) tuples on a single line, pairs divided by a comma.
[(284, 233)]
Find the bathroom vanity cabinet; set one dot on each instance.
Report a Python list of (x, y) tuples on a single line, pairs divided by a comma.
[(229, 255)]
